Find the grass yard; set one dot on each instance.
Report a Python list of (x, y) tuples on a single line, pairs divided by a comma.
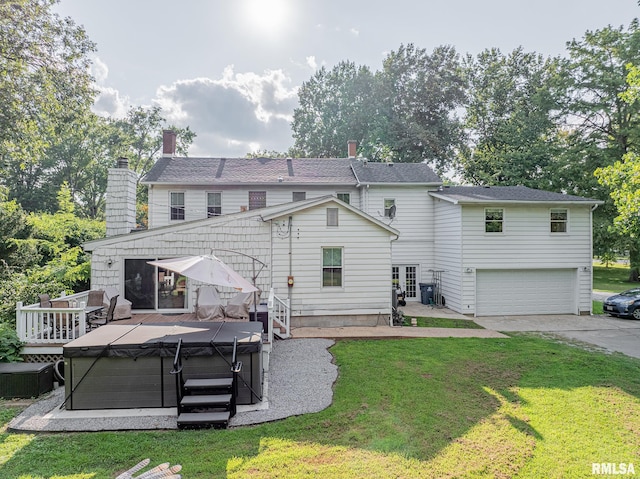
[(524, 407), (612, 279), (423, 322)]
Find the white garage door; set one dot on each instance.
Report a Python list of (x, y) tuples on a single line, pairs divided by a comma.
[(539, 291)]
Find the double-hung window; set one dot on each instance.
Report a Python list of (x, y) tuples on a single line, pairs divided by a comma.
[(257, 199), (331, 266), (176, 209), (493, 220), (214, 204), (559, 218), (389, 207)]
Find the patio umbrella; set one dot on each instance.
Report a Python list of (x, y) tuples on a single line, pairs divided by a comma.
[(207, 269)]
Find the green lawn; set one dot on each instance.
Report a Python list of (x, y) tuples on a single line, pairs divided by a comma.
[(523, 407), (612, 279), (427, 322)]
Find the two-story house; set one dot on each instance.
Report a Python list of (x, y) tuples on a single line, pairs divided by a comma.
[(335, 234)]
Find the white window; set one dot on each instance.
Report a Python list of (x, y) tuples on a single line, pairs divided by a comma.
[(214, 204), (332, 216), (389, 207), (346, 197), (493, 219), (176, 209), (257, 199), (331, 266), (559, 219)]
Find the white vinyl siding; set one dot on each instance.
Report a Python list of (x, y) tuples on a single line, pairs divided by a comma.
[(517, 292), (414, 221), (366, 263), (234, 199)]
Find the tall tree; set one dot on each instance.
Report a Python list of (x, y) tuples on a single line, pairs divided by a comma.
[(603, 126), (510, 125), (623, 180), (44, 62), (417, 97), (141, 137), (335, 106)]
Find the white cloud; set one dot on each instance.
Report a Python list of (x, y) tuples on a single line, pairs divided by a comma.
[(235, 114), (355, 32), (108, 101), (311, 62)]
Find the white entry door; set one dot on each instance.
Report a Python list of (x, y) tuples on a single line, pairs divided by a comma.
[(406, 276)]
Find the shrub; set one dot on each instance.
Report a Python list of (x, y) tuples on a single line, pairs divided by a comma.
[(10, 345)]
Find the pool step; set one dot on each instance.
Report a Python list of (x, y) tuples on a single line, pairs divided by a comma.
[(208, 384), (206, 402), (219, 419)]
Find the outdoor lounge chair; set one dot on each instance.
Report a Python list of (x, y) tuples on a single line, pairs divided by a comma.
[(95, 298), (102, 317), (123, 306), (238, 306), (208, 304)]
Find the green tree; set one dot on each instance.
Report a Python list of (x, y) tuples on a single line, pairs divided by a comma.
[(417, 95), (44, 61), (13, 225), (509, 120), (603, 127), (335, 106)]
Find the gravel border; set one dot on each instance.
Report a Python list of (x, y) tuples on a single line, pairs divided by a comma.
[(300, 380)]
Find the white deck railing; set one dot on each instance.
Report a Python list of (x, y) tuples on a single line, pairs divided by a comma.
[(36, 325), (279, 316)]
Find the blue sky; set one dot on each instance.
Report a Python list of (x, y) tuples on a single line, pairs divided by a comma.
[(230, 68)]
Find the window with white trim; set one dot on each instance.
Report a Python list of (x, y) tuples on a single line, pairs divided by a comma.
[(332, 216), (346, 197), (299, 196), (389, 207), (493, 220), (558, 220), (214, 204), (176, 208), (257, 199), (331, 266)]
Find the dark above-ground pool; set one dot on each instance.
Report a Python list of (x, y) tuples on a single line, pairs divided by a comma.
[(127, 366)]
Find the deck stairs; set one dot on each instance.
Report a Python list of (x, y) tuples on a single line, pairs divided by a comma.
[(206, 402)]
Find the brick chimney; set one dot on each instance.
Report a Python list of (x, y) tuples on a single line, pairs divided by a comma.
[(121, 199), (168, 143), (352, 146)]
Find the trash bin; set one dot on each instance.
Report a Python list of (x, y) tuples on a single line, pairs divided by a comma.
[(426, 293)]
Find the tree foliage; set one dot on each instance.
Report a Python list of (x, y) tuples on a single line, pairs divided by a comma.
[(509, 121), (44, 83), (404, 112), (335, 106)]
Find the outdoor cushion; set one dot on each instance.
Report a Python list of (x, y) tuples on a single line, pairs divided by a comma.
[(238, 306), (208, 304)]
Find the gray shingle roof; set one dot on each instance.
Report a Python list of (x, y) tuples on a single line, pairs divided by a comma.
[(207, 171), (372, 172), (481, 194)]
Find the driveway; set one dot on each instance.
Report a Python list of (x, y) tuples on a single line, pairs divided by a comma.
[(603, 331), (612, 334)]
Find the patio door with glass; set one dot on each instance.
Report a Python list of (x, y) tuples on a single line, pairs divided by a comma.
[(405, 276), (151, 288)]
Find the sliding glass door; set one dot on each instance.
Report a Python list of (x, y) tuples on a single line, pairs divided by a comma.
[(151, 288)]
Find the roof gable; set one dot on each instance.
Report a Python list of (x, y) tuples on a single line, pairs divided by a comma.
[(261, 214)]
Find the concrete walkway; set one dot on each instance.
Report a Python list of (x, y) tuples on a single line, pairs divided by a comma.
[(602, 331)]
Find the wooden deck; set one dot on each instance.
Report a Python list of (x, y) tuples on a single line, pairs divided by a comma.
[(150, 318)]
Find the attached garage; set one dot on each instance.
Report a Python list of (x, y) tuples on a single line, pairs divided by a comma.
[(519, 292)]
